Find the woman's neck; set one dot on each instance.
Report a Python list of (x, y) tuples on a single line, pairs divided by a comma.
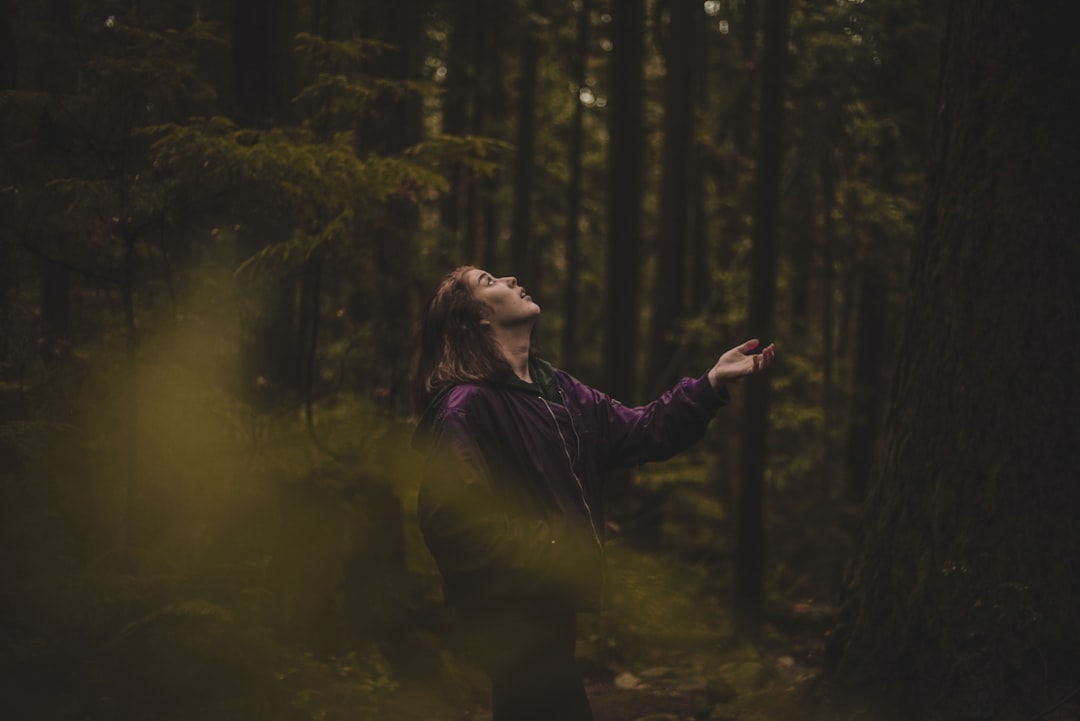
[(515, 344)]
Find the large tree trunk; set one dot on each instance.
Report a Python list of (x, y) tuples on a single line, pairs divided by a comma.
[(968, 581), (750, 532)]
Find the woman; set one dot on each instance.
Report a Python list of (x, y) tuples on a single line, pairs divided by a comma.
[(511, 500)]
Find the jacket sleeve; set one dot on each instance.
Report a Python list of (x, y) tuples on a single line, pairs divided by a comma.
[(473, 535), (631, 435)]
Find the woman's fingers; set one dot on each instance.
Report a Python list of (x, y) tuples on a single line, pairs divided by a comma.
[(749, 345), (764, 359)]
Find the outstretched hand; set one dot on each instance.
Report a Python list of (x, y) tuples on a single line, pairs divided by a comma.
[(741, 361)]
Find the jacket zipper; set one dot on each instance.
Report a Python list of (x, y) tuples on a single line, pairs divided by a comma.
[(581, 488)]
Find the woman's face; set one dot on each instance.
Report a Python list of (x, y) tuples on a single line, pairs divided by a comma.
[(510, 304)]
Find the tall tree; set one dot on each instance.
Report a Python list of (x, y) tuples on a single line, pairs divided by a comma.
[(750, 531), (968, 578), (669, 285), (460, 76), (625, 153), (869, 369), (9, 55), (525, 256), (257, 59), (9, 61), (395, 125), (270, 355), (57, 75), (573, 195)]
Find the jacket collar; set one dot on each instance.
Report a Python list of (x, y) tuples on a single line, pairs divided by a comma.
[(543, 375), (544, 383)]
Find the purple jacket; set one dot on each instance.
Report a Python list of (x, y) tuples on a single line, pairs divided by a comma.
[(511, 500)]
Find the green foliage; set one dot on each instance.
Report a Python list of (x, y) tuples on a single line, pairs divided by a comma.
[(277, 563)]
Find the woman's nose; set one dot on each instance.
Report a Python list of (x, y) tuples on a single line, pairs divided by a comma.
[(512, 281)]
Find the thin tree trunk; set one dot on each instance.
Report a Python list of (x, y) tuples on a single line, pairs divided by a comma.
[(748, 47), (741, 139), (568, 358), (625, 153), (750, 532), (9, 56), (828, 313), (310, 292), (55, 75), (802, 255), (269, 357), (459, 77), (257, 60), (131, 445), (669, 285), (9, 73), (395, 127), (525, 257)]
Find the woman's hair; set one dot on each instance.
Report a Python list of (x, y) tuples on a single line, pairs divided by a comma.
[(454, 346)]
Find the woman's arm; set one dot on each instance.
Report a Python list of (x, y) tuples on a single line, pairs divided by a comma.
[(630, 435), (675, 421)]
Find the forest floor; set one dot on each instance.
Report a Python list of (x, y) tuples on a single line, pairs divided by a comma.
[(667, 651), (691, 676)]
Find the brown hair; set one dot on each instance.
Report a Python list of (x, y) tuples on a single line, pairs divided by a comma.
[(454, 346)]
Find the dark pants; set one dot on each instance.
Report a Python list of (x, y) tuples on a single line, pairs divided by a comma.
[(527, 648)]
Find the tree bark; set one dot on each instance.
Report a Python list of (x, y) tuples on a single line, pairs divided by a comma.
[(828, 313), (869, 370), (55, 74), (750, 531), (568, 359), (968, 579), (395, 126), (460, 75), (9, 56), (526, 265), (257, 60), (669, 285), (624, 201), (270, 356)]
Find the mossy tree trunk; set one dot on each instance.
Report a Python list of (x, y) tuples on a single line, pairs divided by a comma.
[(968, 580)]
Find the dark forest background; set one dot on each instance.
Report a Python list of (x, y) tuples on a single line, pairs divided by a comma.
[(221, 221)]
